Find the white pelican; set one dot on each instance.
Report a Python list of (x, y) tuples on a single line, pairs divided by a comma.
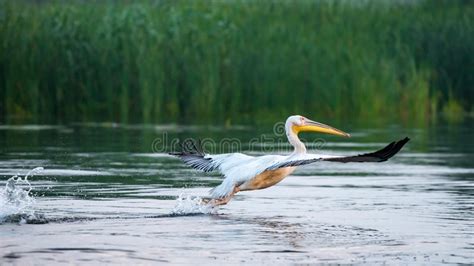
[(243, 172)]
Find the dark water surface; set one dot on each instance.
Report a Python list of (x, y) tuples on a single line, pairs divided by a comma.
[(105, 195)]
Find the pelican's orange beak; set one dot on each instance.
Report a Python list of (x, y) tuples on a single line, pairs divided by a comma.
[(312, 126)]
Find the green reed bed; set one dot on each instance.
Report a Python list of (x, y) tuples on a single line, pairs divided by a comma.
[(230, 61)]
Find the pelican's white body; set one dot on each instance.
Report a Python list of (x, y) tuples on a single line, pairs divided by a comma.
[(246, 172)]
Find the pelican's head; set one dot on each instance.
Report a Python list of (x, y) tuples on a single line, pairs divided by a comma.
[(298, 123)]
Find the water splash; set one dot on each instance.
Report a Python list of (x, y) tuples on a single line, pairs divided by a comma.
[(16, 202), (189, 205)]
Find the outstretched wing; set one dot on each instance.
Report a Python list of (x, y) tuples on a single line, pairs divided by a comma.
[(378, 156), (192, 154)]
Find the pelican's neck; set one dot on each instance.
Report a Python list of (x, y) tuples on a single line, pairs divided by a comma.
[(294, 140)]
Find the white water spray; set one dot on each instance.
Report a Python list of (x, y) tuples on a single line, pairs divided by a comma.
[(16, 202), (187, 205)]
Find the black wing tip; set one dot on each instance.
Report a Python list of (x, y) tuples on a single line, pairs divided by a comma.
[(189, 147), (381, 155), (402, 142), (193, 155), (390, 150)]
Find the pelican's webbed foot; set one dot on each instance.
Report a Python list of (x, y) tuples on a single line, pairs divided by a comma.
[(221, 201)]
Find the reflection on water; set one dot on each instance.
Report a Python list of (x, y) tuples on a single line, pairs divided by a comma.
[(105, 196)]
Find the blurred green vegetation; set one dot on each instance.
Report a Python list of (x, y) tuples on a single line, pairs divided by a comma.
[(235, 61)]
